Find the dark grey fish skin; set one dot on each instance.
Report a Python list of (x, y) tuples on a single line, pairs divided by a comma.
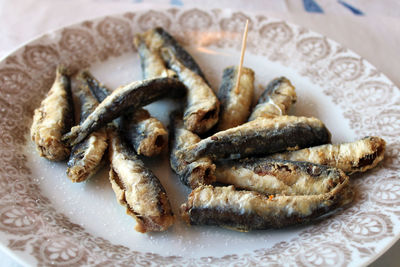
[(276, 100), (247, 210), (53, 118), (193, 174), (262, 136), (235, 105), (358, 156), (274, 176), (99, 90), (150, 61), (133, 95), (146, 134), (158, 37), (202, 106), (86, 157), (137, 188), (88, 102)]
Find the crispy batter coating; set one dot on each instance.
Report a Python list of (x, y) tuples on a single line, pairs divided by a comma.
[(275, 176)]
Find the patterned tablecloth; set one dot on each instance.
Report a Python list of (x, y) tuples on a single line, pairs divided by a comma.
[(370, 28)]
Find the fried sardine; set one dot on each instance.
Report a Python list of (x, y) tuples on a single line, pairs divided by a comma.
[(235, 104), (202, 106), (86, 156), (145, 133), (248, 210), (262, 136), (131, 96), (358, 156), (158, 38), (137, 188), (274, 176), (192, 174), (53, 118)]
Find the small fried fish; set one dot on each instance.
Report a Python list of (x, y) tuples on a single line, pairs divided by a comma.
[(248, 210), (54, 118), (262, 136), (193, 174), (274, 176), (150, 61), (235, 105), (131, 96), (145, 133), (202, 106), (358, 156), (86, 157), (157, 38), (137, 188)]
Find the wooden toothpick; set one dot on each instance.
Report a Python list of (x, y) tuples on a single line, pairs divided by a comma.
[(242, 57)]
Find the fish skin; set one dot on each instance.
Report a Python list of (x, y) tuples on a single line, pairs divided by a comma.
[(192, 174), (235, 106), (98, 89), (133, 95), (202, 106), (137, 188), (275, 176), (262, 136), (248, 210), (146, 134), (158, 38), (86, 157), (357, 156), (53, 118), (276, 100)]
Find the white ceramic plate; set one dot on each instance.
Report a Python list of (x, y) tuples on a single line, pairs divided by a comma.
[(45, 219)]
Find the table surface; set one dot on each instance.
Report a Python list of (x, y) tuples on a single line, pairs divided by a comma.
[(370, 28)]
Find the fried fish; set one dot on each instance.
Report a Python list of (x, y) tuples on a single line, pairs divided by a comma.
[(137, 188), (262, 136), (192, 174), (145, 133), (248, 210), (131, 96), (86, 156), (358, 156), (150, 61), (274, 176), (158, 38), (235, 104), (202, 106), (53, 118)]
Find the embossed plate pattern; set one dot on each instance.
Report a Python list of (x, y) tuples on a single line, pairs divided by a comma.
[(31, 226)]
